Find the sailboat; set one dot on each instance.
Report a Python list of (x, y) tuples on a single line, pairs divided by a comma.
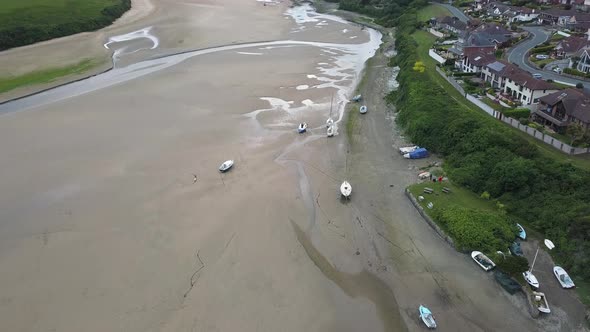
[(345, 189), (529, 277)]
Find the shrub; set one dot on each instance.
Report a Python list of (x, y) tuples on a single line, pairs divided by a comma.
[(518, 113), (512, 265)]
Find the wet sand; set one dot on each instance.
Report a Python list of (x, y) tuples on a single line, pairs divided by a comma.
[(103, 227)]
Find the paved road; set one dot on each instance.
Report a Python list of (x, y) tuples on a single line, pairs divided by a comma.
[(517, 56), (456, 12)]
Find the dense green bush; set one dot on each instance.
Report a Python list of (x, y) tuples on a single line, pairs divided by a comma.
[(25, 25), (517, 113), (542, 49), (484, 155), (512, 265)]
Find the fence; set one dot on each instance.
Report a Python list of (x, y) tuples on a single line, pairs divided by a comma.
[(554, 142), (435, 56), (436, 33)]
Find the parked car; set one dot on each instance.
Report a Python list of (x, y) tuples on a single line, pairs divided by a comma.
[(537, 76), (557, 70), (541, 56)]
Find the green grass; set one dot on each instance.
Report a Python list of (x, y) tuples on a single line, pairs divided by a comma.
[(458, 196), (428, 12), (540, 62), (8, 83), (492, 104), (556, 37), (425, 41)]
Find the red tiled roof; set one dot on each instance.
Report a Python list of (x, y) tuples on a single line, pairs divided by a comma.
[(572, 44)]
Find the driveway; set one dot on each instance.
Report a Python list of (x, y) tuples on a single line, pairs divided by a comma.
[(517, 56)]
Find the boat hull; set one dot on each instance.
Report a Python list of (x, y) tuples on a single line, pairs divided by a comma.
[(226, 166), (345, 189)]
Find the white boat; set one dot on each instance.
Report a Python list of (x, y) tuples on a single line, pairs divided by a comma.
[(302, 128), (540, 301), (424, 175), (345, 189), (408, 149), (531, 279), (226, 165), (564, 279), (427, 317), (330, 131), (363, 109), (482, 260), (549, 244), (329, 122), (357, 98)]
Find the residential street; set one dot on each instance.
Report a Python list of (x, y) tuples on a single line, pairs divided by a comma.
[(456, 12)]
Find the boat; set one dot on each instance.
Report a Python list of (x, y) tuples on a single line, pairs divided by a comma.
[(427, 317), (549, 244), (329, 122), (302, 128), (330, 131), (482, 260), (363, 109), (540, 301), (564, 279), (417, 154), (521, 232), (357, 98), (408, 149), (530, 278), (226, 166), (424, 175), (345, 189), (515, 249)]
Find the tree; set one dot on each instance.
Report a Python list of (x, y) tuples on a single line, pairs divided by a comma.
[(575, 131), (580, 85)]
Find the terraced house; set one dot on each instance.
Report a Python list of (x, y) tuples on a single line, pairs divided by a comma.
[(560, 109)]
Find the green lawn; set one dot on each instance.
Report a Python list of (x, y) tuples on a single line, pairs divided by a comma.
[(428, 12), (24, 22), (458, 196), (8, 83), (425, 41), (493, 104)]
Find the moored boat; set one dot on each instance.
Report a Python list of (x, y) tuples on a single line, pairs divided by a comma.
[(540, 301), (329, 122), (521, 232), (363, 109), (226, 165), (530, 278), (357, 98), (345, 189), (408, 149), (427, 317), (302, 128), (482, 260), (330, 131), (564, 279)]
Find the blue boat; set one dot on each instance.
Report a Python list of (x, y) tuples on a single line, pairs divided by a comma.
[(515, 249), (417, 154), (521, 232), (427, 317)]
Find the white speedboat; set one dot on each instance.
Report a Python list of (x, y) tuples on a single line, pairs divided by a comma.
[(330, 131), (363, 109), (302, 128), (482, 260), (530, 278), (226, 165), (329, 122), (564, 279), (357, 98), (541, 303), (408, 149), (427, 317), (345, 189)]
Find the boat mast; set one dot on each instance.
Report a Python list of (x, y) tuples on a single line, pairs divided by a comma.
[(534, 259)]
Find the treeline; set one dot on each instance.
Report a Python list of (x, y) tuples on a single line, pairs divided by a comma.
[(28, 27), (385, 12), (493, 161)]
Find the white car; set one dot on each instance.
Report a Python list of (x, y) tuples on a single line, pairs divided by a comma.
[(541, 56), (563, 277)]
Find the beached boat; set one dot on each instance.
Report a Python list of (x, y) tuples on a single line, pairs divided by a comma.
[(345, 189), (424, 175), (521, 232), (330, 131), (329, 122), (549, 244), (427, 317), (357, 98), (417, 154), (482, 260), (408, 149), (540, 301), (226, 166), (564, 279), (302, 128), (363, 109), (530, 278), (515, 249)]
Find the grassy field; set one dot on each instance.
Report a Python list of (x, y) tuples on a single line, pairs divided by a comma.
[(458, 196), (425, 41), (45, 76), (432, 11), (24, 22)]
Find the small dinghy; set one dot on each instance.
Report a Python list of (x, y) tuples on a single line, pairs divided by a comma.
[(531, 279), (521, 232), (329, 122), (357, 98), (345, 189), (330, 131), (540, 301), (482, 260), (302, 128), (226, 166), (564, 279), (363, 109), (427, 317)]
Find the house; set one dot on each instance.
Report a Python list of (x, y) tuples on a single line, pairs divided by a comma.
[(559, 109), (555, 16), (584, 63), (488, 35), (474, 59), (524, 14), (569, 46), (517, 83), (451, 24)]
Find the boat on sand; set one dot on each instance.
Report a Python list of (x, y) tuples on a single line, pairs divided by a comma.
[(540, 301), (564, 279), (302, 128), (363, 109), (427, 317), (345, 189), (521, 232), (226, 166), (482, 260)]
